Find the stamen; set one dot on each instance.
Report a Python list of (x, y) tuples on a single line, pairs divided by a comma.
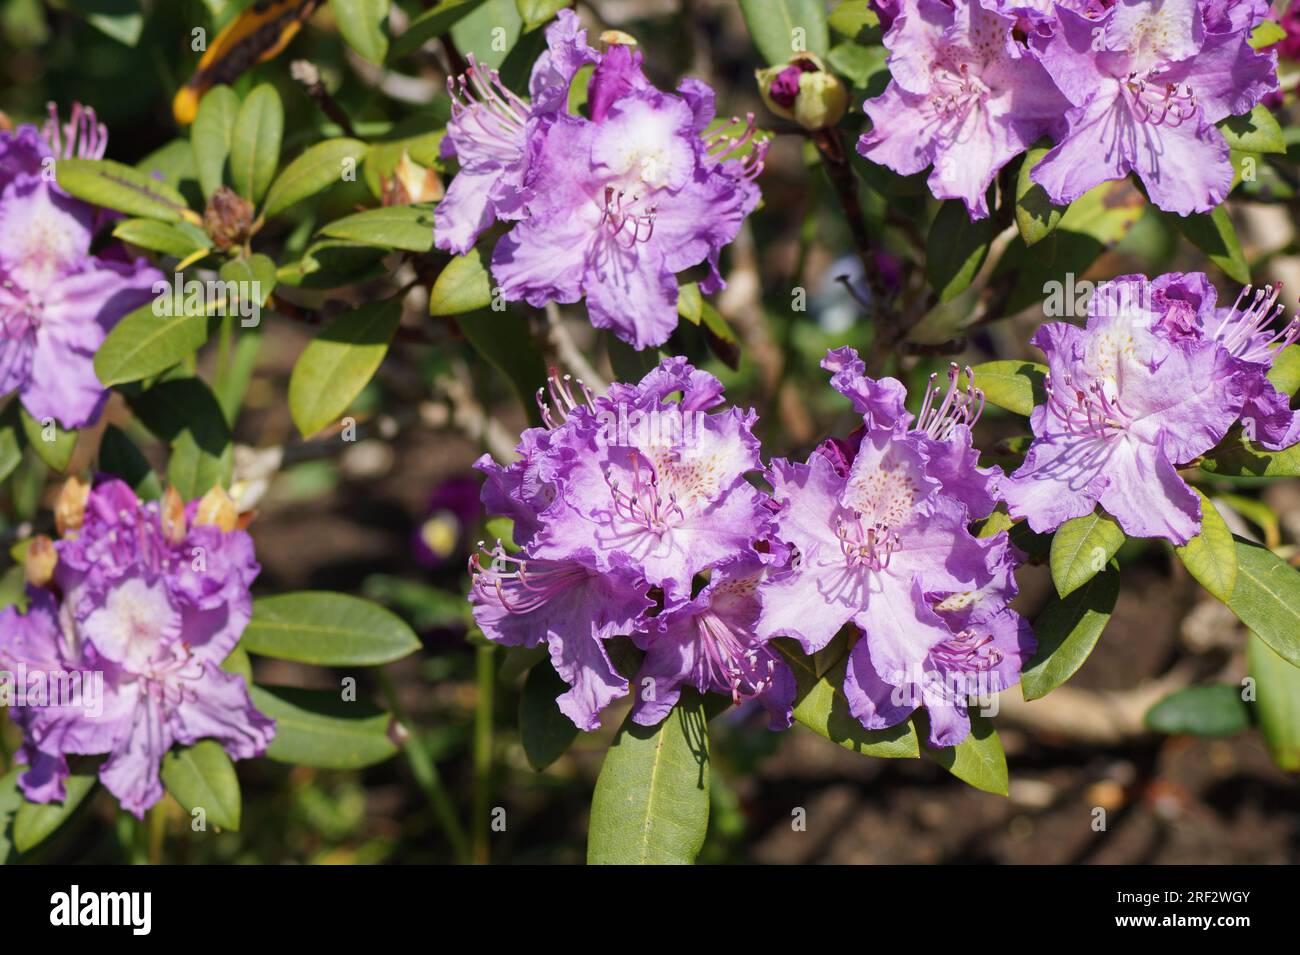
[(721, 145), (562, 400), (1244, 330), (620, 217), (865, 546), (959, 407), (82, 137), (644, 504), (1091, 412), (1161, 104), (725, 661)]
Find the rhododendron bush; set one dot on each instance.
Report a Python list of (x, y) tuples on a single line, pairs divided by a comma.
[(771, 370)]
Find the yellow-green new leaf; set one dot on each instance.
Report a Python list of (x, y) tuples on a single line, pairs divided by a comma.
[(1081, 548), (463, 286), (1211, 556), (255, 143), (315, 170)]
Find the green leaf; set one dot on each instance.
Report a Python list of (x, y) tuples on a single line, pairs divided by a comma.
[(36, 822), (1211, 556), (186, 415), (1081, 548), (177, 239), (338, 362), (362, 24), (1213, 710), (203, 777), (629, 364), (859, 63), (1285, 373), (318, 728), (103, 182), (1267, 599), (390, 227), (213, 132), (143, 343), (722, 341), (429, 24), (119, 456), (955, 249), (477, 32), (11, 799), (250, 282), (1237, 457), (255, 144), (506, 342), (316, 169), (850, 18), (49, 440), (651, 804), (1011, 384), (1067, 630), (534, 13), (1215, 235), (1036, 214), (1256, 132), (820, 705), (1277, 703), (690, 303), (464, 285), (120, 20), (11, 449), (545, 732), (783, 29), (327, 629), (978, 760), (1266, 34)]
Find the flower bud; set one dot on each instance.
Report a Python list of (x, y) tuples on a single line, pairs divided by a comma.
[(803, 91), (217, 508), (616, 38), (173, 516), (411, 183), (40, 561), (228, 218), (70, 508)]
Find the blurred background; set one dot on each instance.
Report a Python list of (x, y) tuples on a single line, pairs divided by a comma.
[(394, 515)]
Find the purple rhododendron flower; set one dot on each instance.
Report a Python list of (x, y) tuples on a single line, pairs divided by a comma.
[(1148, 81), (710, 643), (619, 494), (880, 528), (494, 134), (966, 97), (1290, 22), (626, 199), (154, 603), (1249, 331), (1126, 405), (57, 300)]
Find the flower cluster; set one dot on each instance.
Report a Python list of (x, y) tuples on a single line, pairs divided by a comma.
[(137, 605), (1155, 379), (1119, 85), (634, 514), (609, 206), (57, 300)]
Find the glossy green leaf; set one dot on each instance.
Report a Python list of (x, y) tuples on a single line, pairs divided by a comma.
[(1266, 34), (464, 285), (1067, 630), (1211, 556), (1213, 710), (362, 24), (1081, 548), (1285, 373), (319, 728), (1237, 457), (255, 143), (1255, 132), (212, 135), (143, 343), (11, 442), (431, 23), (1215, 235), (390, 227), (185, 414), (651, 804), (316, 169), (1036, 214), (534, 13), (203, 777), (850, 18), (339, 361), (327, 629), (545, 732), (489, 31), (782, 29), (119, 457), (11, 799), (249, 283), (103, 182), (122, 20), (820, 705), (978, 760), (955, 249), (1266, 599), (52, 443), (175, 239), (1277, 703), (36, 822), (1014, 385)]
